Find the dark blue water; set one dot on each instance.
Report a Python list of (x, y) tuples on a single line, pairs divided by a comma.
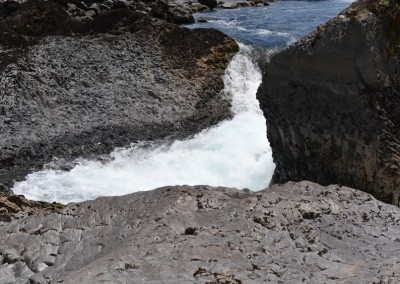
[(276, 25)]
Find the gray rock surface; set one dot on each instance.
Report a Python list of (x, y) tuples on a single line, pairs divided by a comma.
[(71, 87), (332, 102), (297, 232)]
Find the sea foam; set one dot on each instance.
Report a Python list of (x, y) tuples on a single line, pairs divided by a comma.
[(235, 153)]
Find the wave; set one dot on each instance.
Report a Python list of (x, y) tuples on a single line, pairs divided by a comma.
[(235, 153)]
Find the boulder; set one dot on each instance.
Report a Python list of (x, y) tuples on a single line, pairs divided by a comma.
[(179, 15), (202, 20), (331, 102), (244, 4), (209, 235), (209, 3), (229, 6), (197, 7)]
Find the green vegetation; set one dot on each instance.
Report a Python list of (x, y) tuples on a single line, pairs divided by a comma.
[(58, 205)]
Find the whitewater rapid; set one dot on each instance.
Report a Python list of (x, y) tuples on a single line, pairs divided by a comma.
[(235, 153)]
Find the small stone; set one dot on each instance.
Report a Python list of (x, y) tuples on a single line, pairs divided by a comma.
[(190, 231), (90, 13), (229, 6)]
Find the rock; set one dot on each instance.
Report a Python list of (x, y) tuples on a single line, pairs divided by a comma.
[(179, 15), (256, 2), (159, 9), (172, 12), (11, 6), (331, 103), (201, 234), (96, 8), (209, 3), (90, 13), (14, 207), (100, 82), (120, 4), (229, 6), (105, 7), (244, 4), (197, 7), (202, 20), (109, 4)]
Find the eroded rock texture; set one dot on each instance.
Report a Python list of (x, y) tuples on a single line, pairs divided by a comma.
[(79, 78), (332, 102), (297, 232), (14, 207)]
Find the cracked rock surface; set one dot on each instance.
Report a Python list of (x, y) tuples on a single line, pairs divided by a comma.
[(293, 233)]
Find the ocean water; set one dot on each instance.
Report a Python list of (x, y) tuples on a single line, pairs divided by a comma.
[(235, 153), (272, 26)]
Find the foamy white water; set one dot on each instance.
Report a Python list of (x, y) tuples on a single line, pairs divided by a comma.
[(235, 153)]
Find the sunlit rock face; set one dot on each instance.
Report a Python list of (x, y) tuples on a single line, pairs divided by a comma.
[(331, 102)]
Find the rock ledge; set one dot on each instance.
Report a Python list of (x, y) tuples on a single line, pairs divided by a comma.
[(297, 232)]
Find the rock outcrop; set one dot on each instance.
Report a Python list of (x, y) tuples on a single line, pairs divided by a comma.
[(332, 102), (14, 207), (84, 77), (297, 232)]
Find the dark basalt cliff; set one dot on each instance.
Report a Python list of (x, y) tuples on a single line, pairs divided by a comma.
[(286, 234), (84, 77), (332, 102)]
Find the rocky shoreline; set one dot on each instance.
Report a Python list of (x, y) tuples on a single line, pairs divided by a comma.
[(85, 77), (79, 81)]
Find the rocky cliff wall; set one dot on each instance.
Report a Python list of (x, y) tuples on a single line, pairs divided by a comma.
[(79, 78), (332, 102)]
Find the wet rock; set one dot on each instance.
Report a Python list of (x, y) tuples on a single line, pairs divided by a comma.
[(120, 4), (197, 7), (331, 102), (209, 3), (202, 20), (229, 6), (244, 4), (235, 237)]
